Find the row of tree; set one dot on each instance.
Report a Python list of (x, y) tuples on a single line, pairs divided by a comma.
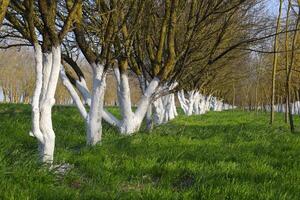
[(192, 48)]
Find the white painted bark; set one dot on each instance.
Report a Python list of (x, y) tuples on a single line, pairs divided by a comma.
[(146, 99), (36, 132), (191, 102), (190, 105), (183, 102), (94, 126), (47, 66), (158, 115), (47, 103), (169, 108), (131, 121), (110, 119), (149, 120), (208, 103), (174, 105), (84, 91), (196, 103), (66, 82), (165, 107), (124, 99), (128, 124), (202, 106)]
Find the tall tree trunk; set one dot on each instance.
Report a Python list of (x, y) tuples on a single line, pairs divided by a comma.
[(94, 126), (275, 61), (287, 98), (36, 131), (290, 70), (46, 108)]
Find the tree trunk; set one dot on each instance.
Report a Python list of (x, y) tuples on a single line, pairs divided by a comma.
[(289, 75), (275, 60), (94, 126), (36, 131), (47, 148)]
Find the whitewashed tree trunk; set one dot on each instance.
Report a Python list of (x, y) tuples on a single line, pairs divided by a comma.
[(158, 114), (165, 107), (94, 126), (128, 124), (131, 121), (43, 100), (47, 103), (145, 100), (149, 120), (47, 66), (85, 93), (36, 132), (183, 101), (191, 102), (196, 104), (190, 106), (66, 82), (202, 106), (208, 103), (83, 89)]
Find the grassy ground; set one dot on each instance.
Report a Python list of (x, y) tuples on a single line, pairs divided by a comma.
[(227, 155)]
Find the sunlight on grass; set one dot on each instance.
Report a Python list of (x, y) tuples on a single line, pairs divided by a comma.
[(226, 155)]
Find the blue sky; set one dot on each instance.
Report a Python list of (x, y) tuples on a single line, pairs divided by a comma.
[(273, 6)]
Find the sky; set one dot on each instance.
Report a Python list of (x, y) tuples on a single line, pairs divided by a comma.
[(272, 6)]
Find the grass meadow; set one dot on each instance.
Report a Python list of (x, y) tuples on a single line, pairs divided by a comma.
[(219, 155)]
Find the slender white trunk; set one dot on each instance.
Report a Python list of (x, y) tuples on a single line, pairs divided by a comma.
[(84, 91), (174, 105), (128, 124), (94, 126), (36, 132), (183, 102), (208, 103), (169, 107), (47, 149), (47, 66), (124, 99), (110, 119), (202, 105), (196, 104), (73, 93), (191, 102), (158, 115)]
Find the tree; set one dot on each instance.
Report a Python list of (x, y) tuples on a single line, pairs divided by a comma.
[(47, 58), (275, 61)]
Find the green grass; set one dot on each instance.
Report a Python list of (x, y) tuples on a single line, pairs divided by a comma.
[(227, 155)]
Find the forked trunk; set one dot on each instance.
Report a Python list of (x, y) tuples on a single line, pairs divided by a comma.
[(47, 148), (43, 101)]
